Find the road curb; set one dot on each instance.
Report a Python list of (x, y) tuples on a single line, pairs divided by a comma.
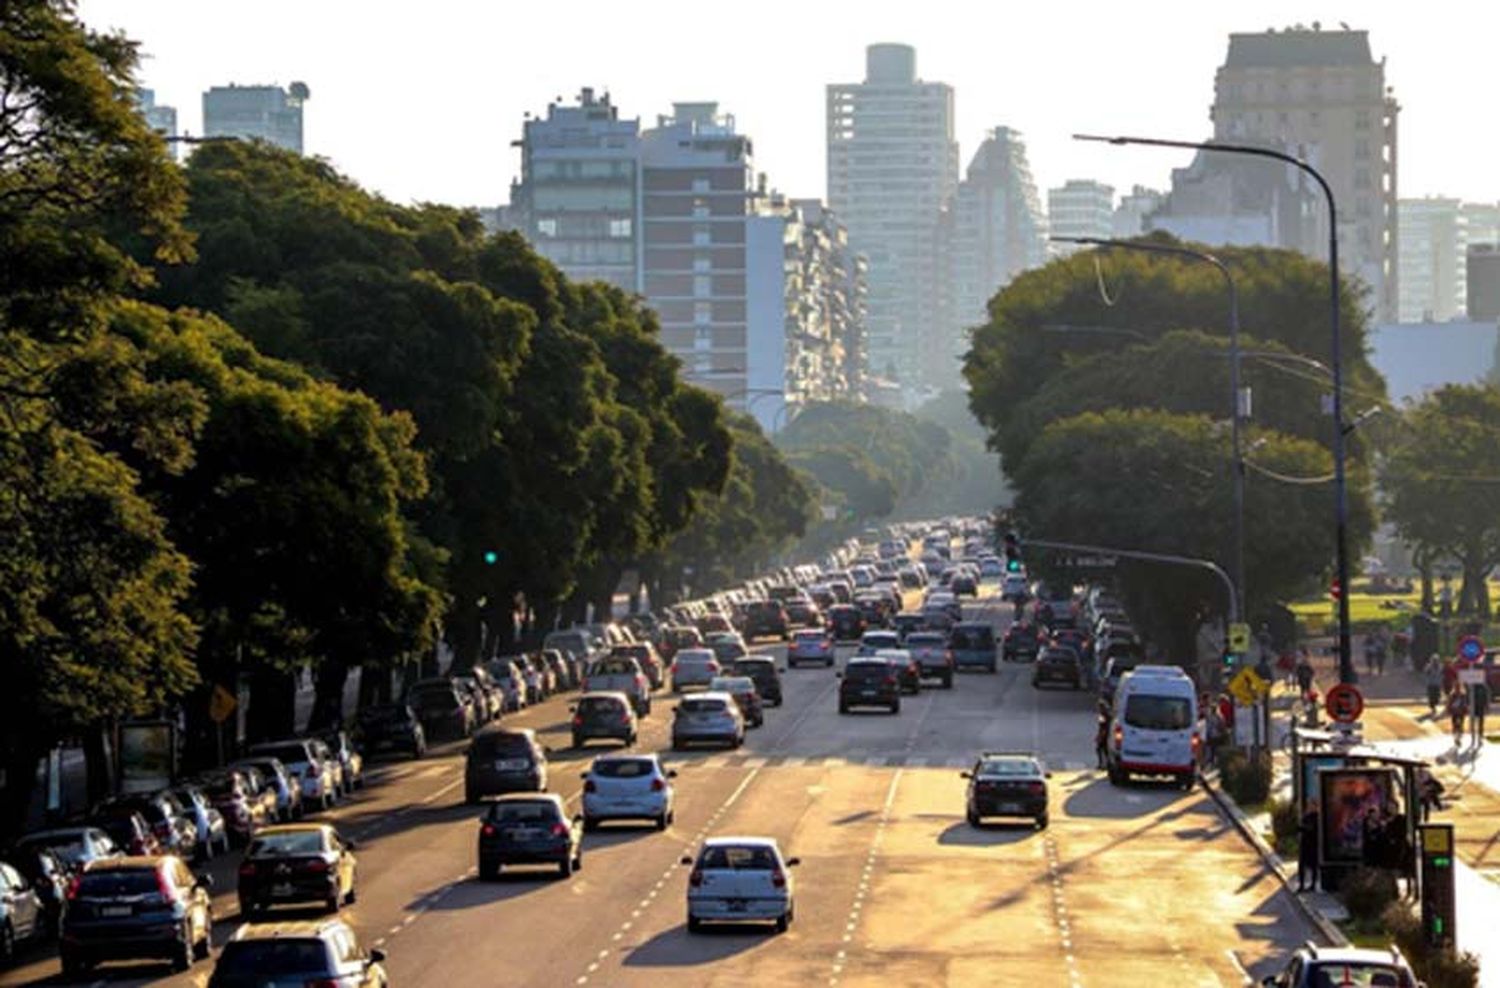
[(1329, 930)]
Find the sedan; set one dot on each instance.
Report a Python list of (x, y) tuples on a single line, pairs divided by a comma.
[(810, 646), (627, 787), (529, 829), (302, 862), (23, 914), (1007, 785), (301, 952), (740, 879), (1058, 665), (76, 846), (694, 667)]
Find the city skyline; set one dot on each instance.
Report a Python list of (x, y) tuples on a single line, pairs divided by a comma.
[(1162, 87)]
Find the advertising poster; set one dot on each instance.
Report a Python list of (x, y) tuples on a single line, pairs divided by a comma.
[(1347, 797), (1311, 766), (147, 754)]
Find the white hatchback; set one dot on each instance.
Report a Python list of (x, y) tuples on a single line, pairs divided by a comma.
[(739, 880), (628, 787)]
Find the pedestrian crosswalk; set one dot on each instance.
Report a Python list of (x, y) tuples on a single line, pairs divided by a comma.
[(866, 758)]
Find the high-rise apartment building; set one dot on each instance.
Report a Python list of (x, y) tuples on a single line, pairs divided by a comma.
[(1481, 222), (892, 168), (997, 229), (1080, 207), (1321, 95), (1433, 260), (1134, 208), (826, 313), (577, 198), (267, 113), (1245, 202), (161, 118)]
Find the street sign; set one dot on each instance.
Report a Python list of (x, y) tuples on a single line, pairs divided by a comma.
[(1239, 638), (1439, 906), (1471, 677), (1344, 703), (1248, 687), (221, 705), (1471, 648)]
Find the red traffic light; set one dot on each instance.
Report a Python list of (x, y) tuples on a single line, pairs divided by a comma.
[(1335, 589)]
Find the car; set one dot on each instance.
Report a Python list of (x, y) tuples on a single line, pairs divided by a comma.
[(1313, 966), (229, 790), (393, 727), (77, 847), (694, 667), (286, 787), (169, 823), (261, 791), (1006, 784), (127, 828), (647, 658), (904, 665), (604, 714), (487, 696), (565, 673), (964, 584), (905, 622), (933, 658), (869, 682), (303, 759), (803, 612), (676, 637), (710, 623), (845, 622), (620, 674), (873, 641), (297, 862), (810, 646), (740, 879), (348, 756), (505, 672), (628, 787), (1014, 589), (49, 877), (991, 568), (213, 833), (973, 646), (1153, 726), (501, 760), (1057, 664), (23, 915), (577, 642), (708, 718), (727, 646), (529, 829), (766, 674), (446, 714), (298, 952), (136, 907), (1021, 643), (742, 688), (765, 618)]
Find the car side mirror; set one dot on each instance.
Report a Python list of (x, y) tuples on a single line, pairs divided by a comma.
[(793, 862), (205, 880), (1048, 774), (377, 956), (685, 860), (572, 708), (583, 775), (671, 773)]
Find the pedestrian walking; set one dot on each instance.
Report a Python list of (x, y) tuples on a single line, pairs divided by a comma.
[(1430, 788), (1458, 711), (1382, 649), (1432, 674), (1479, 706), (1370, 654), (1307, 849), (1303, 672), (1101, 735)]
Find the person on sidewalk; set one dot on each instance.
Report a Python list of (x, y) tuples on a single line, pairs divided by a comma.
[(1101, 735), (1370, 654), (1307, 849), (1458, 711), (1303, 672), (1430, 787), (1480, 707), (1382, 649), (1432, 674)]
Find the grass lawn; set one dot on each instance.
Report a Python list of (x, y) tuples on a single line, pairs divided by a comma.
[(1317, 613)]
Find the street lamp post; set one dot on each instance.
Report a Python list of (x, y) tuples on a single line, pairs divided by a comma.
[(1341, 494), (1237, 562)]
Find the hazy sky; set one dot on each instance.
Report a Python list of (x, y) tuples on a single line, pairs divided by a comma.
[(421, 100)]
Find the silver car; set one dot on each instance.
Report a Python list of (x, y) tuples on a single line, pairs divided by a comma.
[(627, 787), (740, 879), (708, 718), (694, 667)]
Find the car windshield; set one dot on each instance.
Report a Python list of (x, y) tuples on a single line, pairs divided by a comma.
[(489, 744), (738, 858), (113, 883), (297, 842), (973, 638), (1355, 974), (274, 957), (622, 768), (1003, 768), (613, 667), (920, 640), (523, 813), (1158, 713), (598, 705)]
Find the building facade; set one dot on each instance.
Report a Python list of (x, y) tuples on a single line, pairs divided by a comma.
[(1321, 95), (1135, 207), (1080, 207), (892, 168), (267, 113), (997, 229), (1433, 260), (1245, 202), (161, 118)]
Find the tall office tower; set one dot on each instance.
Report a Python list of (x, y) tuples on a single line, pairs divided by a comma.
[(161, 118), (1080, 207), (892, 167), (577, 200), (1321, 95), (1433, 262), (267, 113), (998, 229)]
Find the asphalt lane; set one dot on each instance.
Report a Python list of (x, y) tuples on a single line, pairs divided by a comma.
[(1139, 886)]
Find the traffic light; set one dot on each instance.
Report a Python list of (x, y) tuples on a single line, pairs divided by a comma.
[(1335, 589), (1229, 659), (1013, 566), (491, 557)]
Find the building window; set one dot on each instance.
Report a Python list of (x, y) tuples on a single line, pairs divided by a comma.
[(701, 263), (702, 286), (619, 228), (700, 185), (703, 313), (1362, 120), (700, 208), (546, 228), (703, 339), (701, 235)]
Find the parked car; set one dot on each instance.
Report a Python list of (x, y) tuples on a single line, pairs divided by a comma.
[(133, 908), (762, 669), (646, 657), (505, 672), (23, 914), (393, 727), (502, 760), (303, 759), (348, 756), (229, 792), (740, 879), (297, 863), (288, 788), (742, 688), (76, 847), (627, 787), (321, 952), (49, 876), (564, 673), (127, 828), (533, 828), (1006, 784), (604, 715), (174, 832), (445, 714), (869, 682), (213, 834), (708, 717)]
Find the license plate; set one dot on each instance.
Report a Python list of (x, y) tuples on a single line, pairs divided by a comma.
[(509, 764), (520, 833), (866, 692), (1009, 808), (115, 910), (737, 905), (282, 888)]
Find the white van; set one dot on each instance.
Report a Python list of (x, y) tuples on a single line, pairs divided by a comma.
[(1154, 726)]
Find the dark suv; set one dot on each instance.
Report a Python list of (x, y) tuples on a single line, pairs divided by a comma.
[(846, 622), (504, 760), (604, 715), (1021, 643), (869, 682), (393, 727), (766, 617), (764, 672)]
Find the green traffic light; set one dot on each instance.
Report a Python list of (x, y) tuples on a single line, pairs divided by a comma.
[(1013, 566), (491, 557)]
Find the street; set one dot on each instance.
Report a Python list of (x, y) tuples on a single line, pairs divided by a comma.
[(1145, 886)]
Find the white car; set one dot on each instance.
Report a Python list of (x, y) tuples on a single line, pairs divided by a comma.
[(628, 787), (812, 645), (694, 667), (310, 761), (873, 641), (740, 879)]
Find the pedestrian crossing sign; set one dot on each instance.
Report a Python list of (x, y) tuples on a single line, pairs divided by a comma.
[(1247, 686)]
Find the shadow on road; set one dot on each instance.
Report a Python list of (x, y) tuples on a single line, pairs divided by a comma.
[(961, 834), (473, 893), (1101, 799), (677, 947)]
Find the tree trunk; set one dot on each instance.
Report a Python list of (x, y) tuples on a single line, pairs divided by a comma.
[(1424, 571), (20, 760), (328, 702), (273, 705)]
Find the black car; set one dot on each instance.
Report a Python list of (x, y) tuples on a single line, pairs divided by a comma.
[(300, 952), (604, 715), (906, 622), (297, 862), (136, 908), (766, 617), (392, 727), (846, 622), (765, 674), (444, 711), (1057, 664), (48, 875), (964, 584), (529, 829), (504, 760), (1007, 784), (1022, 642), (869, 682)]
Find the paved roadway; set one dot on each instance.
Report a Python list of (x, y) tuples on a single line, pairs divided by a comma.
[(1147, 886)]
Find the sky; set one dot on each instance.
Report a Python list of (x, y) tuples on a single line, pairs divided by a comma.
[(421, 101)]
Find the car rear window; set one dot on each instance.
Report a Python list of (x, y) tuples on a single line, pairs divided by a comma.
[(921, 638), (1007, 768), (1158, 713), (523, 813), (118, 882), (1356, 974), (866, 670), (622, 768), (973, 638), (613, 667), (274, 957), (488, 744), (300, 842), (702, 705), (598, 705), (738, 858)]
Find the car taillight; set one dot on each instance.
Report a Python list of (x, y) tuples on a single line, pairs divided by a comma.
[(488, 830), (778, 879), (890, 680), (323, 983), (1197, 743), (657, 785), (1119, 735), (578, 720), (696, 878), (559, 830), (166, 888), (247, 870), (1037, 788), (588, 786), (73, 886)]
